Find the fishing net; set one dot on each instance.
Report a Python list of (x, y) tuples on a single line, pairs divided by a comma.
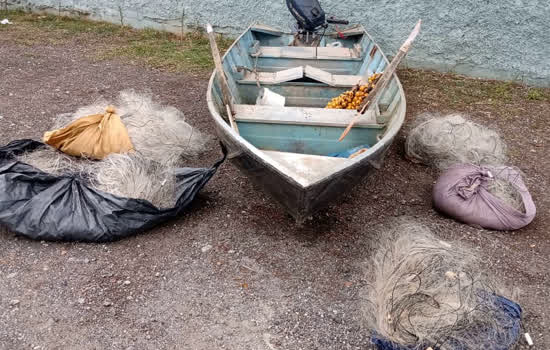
[(134, 176), (429, 293), (162, 139), (158, 132), (446, 141), (505, 190), (52, 161), (442, 142)]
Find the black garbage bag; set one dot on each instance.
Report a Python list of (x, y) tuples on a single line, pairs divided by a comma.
[(64, 208)]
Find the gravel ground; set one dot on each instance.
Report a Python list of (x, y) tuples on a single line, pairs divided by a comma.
[(235, 272)]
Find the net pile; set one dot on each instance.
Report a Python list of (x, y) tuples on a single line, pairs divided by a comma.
[(52, 161), (158, 132), (444, 141), (505, 191), (428, 293), (163, 141), (135, 176)]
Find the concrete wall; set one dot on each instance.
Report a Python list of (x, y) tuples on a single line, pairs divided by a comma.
[(501, 39)]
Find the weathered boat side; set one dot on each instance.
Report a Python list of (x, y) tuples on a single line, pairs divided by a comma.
[(299, 200)]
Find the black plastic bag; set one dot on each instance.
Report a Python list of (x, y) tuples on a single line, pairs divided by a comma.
[(64, 208)]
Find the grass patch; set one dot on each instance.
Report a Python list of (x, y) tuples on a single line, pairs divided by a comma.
[(534, 94), (501, 91), (152, 47), (68, 25), (61, 24), (455, 92), (168, 51)]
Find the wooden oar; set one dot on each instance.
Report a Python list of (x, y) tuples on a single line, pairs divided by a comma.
[(226, 91), (372, 98)]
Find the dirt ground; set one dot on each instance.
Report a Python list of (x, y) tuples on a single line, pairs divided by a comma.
[(235, 272)]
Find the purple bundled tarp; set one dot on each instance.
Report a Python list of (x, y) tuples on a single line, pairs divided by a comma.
[(461, 192)]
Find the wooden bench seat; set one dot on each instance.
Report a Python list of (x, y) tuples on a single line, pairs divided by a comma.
[(330, 79), (265, 29), (287, 75), (306, 53), (303, 116), (271, 78)]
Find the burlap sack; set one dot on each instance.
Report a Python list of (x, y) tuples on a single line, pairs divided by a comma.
[(95, 136)]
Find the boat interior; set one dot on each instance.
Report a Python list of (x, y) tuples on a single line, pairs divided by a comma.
[(303, 132)]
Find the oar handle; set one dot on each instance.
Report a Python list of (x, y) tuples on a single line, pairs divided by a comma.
[(373, 96), (226, 91)]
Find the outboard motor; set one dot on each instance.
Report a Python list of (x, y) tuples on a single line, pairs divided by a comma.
[(308, 13), (311, 19)]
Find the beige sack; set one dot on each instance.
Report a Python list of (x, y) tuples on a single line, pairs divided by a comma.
[(95, 136)]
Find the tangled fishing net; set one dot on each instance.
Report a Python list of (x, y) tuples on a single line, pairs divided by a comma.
[(507, 192), (158, 132), (52, 161), (429, 293), (134, 176), (163, 141), (445, 141)]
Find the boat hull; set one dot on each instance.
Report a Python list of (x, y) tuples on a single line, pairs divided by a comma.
[(302, 199), (300, 202)]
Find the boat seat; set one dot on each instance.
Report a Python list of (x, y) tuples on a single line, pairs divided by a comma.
[(271, 78), (287, 75), (349, 32), (330, 79), (339, 118), (306, 53), (265, 29)]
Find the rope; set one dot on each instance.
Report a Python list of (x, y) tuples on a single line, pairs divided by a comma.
[(255, 71)]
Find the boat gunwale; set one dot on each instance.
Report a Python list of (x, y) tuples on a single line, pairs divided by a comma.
[(392, 128)]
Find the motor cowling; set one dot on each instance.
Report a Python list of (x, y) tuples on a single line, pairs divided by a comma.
[(308, 13)]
